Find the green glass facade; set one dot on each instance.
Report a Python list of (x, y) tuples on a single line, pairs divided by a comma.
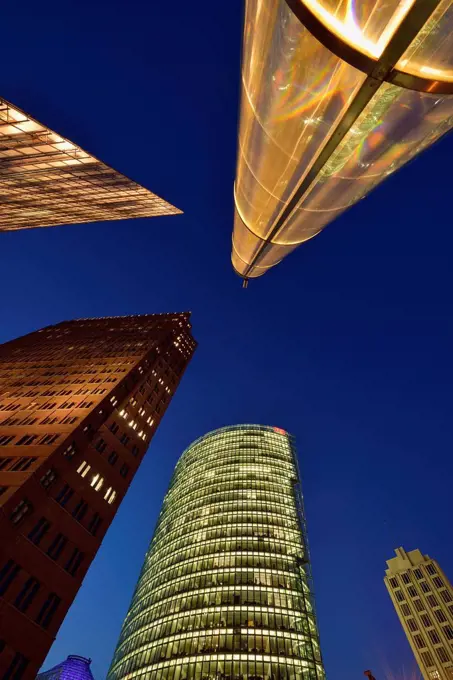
[(225, 589)]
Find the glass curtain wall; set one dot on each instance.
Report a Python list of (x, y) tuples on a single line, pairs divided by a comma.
[(225, 589)]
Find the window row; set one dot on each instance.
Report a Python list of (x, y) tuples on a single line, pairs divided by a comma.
[(242, 668), (169, 571), (418, 573), (426, 589), (78, 508), (221, 513), (222, 558), (218, 598), (17, 463), (57, 546), (31, 420), (255, 532), (16, 668), (217, 463), (26, 595), (214, 618), (248, 637), (96, 481), (235, 442), (252, 483), (227, 643), (28, 439), (52, 382), (426, 620), (249, 544), (164, 528), (215, 577), (180, 513), (269, 461), (214, 582), (441, 654), (272, 459)]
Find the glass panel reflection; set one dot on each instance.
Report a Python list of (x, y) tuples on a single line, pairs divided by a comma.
[(396, 125), (367, 25), (431, 53), (294, 93)]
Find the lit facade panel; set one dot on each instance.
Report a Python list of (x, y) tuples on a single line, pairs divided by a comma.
[(335, 97), (225, 589), (46, 180), (423, 599)]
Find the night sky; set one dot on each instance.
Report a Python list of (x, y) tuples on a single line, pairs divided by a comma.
[(347, 344)]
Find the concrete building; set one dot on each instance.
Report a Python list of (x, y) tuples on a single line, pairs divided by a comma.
[(225, 590), (80, 402), (423, 599)]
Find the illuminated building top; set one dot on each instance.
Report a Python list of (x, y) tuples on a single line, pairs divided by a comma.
[(336, 96), (46, 180)]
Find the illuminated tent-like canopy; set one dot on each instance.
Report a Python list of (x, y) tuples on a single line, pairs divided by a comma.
[(74, 668), (336, 95)]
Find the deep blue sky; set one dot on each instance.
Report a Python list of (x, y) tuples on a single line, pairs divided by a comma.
[(347, 344)]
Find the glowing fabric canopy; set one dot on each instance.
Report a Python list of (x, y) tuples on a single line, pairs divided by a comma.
[(336, 95)]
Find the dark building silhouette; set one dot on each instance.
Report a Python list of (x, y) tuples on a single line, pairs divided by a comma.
[(79, 404)]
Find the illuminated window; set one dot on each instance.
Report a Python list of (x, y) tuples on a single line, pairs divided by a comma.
[(97, 481), (110, 495), (83, 468)]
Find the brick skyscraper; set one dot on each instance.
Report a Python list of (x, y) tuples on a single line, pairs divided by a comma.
[(79, 403)]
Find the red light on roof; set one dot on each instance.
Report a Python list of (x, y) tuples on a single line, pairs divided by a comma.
[(278, 430)]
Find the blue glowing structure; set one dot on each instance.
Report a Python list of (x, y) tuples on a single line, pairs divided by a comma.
[(74, 668)]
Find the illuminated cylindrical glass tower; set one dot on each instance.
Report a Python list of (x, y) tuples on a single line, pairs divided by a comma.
[(225, 589)]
